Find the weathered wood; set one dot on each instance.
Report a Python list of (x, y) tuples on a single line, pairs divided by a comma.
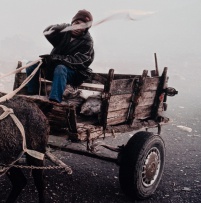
[(55, 112), (116, 120), (146, 98), (116, 76), (97, 131), (121, 95), (156, 64), (71, 119), (46, 86), (150, 84), (160, 108), (134, 96), (121, 86), (106, 99), (117, 113), (119, 102), (19, 78), (16, 81), (90, 86), (159, 98), (98, 77), (143, 112), (138, 92), (58, 162)]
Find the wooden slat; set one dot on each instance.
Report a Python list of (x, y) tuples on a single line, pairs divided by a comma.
[(19, 79), (121, 86), (116, 117), (90, 86), (146, 98), (116, 76), (125, 76), (116, 120), (118, 113), (98, 77), (151, 84), (119, 102), (142, 112)]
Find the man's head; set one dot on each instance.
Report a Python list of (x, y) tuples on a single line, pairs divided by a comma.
[(82, 16)]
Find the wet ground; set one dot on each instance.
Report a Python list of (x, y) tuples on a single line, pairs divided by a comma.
[(96, 180)]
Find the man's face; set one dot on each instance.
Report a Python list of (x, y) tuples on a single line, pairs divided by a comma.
[(78, 32)]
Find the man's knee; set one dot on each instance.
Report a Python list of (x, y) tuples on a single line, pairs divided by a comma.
[(60, 69)]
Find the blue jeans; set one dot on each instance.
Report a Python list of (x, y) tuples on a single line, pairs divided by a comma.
[(61, 76)]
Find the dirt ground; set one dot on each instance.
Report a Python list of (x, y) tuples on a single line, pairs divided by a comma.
[(97, 181)]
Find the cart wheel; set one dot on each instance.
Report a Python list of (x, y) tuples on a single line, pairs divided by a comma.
[(142, 165)]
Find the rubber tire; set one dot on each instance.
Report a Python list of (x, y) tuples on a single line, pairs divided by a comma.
[(133, 157)]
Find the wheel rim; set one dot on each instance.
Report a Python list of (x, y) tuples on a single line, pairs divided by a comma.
[(151, 167)]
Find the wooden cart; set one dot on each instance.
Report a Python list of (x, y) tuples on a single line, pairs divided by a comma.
[(128, 103)]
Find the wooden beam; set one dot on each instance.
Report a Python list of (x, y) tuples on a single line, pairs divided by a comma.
[(106, 99), (58, 162), (90, 86), (156, 109)]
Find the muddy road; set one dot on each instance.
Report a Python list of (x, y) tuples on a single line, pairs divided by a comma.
[(97, 181)]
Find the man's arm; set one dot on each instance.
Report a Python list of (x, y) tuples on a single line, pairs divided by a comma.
[(53, 34)]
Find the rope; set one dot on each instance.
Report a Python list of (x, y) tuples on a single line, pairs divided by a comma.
[(124, 14), (20, 69), (11, 94)]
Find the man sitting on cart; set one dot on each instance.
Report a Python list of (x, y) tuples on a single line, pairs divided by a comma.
[(70, 58)]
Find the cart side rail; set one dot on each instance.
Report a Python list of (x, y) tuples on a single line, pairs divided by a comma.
[(135, 98)]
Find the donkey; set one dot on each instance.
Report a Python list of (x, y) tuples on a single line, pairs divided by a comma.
[(36, 129)]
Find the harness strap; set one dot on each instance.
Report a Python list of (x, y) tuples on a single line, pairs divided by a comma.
[(20, 69), (33, 153), (11, 94)]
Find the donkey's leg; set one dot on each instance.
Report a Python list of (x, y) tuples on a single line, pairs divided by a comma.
[(18, 181), (38, 178), (40, 184)]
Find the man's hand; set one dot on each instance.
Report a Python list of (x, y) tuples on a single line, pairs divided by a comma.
[(46, 59)]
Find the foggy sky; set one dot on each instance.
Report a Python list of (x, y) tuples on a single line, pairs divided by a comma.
[(173, 32)]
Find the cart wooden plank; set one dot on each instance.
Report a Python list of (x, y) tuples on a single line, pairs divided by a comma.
[(94, 87), (121, 86), (151, 84), (146, 98), (118, 102)]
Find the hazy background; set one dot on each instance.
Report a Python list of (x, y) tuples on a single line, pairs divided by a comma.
[(173, 31)]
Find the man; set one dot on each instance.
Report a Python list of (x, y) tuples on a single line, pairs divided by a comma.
[(70, 58)]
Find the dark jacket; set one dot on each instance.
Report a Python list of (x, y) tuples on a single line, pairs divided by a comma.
[(76, 54)]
